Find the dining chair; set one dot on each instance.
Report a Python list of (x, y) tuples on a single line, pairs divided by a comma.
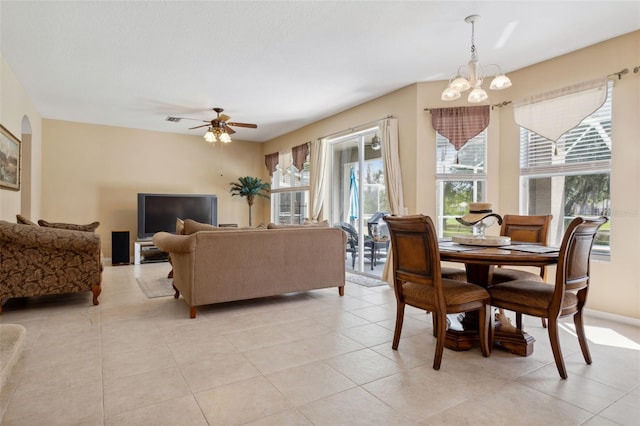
[(569, 294), (418, 282), (523, 229)]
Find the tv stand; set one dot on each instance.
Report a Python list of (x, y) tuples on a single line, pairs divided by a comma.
[(145, 252)]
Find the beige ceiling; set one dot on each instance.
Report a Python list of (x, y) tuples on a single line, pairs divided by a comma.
[(280, 64)]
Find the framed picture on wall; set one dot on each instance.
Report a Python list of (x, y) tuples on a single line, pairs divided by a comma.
[(9, 160)]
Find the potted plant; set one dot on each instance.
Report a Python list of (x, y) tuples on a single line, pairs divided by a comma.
[(250, 187)]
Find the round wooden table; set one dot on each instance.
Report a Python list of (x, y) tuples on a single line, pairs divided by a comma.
[(479, 263)]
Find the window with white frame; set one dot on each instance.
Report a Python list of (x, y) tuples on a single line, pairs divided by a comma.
[(290, 192), (571, 177), (461, 178)]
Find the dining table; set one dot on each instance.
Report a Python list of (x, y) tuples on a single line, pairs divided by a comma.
[(480, 262)]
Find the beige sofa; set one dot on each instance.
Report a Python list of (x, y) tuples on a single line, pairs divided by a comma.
[(227, 264)]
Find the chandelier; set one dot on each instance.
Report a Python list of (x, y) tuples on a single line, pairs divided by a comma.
[(472, 75), (217, 134)]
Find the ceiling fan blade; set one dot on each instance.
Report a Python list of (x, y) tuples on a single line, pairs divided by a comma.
[(250, 126), (224, 117), (229, 130), (197, 127)]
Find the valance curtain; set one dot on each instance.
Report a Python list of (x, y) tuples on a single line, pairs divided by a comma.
[(271, 161), (299, 154), (554, 113), (460, 124), (393, 180), (317, 172)]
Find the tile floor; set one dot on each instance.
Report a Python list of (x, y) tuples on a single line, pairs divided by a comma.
[(302, 359)]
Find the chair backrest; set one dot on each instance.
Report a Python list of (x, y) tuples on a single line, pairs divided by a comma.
[(352, 234), (528, 229), (573, 268), (416, 257)]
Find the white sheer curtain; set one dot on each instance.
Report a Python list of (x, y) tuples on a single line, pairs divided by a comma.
[(317, 172), (554, 113), (393, 180)]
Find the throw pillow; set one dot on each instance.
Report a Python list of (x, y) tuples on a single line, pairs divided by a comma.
[(90, 227), (179, 226), (24, 221)]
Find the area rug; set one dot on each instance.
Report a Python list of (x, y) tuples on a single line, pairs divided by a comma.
[(156, 286), (364, 281)]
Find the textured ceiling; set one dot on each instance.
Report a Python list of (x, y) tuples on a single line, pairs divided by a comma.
[(280, 64)]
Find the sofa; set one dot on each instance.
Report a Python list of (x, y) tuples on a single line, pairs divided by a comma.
[(215, 265), (46, 260)]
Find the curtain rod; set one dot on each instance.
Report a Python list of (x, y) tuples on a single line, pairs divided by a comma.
[(357, 128), (498, 105)]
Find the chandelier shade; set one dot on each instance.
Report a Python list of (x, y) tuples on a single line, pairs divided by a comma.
[(472, 75)]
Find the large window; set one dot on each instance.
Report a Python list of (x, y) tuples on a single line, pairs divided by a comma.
[(461, 179), (290, 193), (569, 178)]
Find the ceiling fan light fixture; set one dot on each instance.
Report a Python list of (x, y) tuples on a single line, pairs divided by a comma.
[(210, 136), (224, 137)]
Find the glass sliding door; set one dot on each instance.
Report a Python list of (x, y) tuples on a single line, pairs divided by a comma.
[(359, 200)]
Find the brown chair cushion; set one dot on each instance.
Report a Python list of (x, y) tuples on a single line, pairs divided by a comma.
[(455, 292), (524, 293), (90, 227)]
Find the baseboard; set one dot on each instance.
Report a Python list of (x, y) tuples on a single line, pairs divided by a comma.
[(613, 317)]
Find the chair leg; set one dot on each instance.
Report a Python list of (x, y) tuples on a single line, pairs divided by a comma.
[(582, 338), (440, 337), (399, 320), (554, 338), (484, 322), (434, 321)]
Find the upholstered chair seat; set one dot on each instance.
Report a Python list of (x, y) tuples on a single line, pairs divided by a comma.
[(454, 273)]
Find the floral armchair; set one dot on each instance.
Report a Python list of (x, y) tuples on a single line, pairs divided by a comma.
[(44, 260)]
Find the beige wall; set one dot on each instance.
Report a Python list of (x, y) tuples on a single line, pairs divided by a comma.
[(17, 111), (615, 287), (94, 172)]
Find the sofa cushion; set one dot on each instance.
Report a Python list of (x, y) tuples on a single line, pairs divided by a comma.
[(24, 221), (90, 227)]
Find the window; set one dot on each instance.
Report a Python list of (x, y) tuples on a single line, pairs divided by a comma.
[(569, 178), (460, 179), (290, 193)]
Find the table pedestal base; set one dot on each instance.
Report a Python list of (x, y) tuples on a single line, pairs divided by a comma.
[(464, 336)]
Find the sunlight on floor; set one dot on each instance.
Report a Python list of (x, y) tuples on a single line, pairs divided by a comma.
[(604, 336)]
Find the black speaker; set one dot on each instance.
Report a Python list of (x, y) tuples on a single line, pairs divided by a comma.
[(120, 248)]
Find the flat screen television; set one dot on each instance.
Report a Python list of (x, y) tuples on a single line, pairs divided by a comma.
[(158, 212)]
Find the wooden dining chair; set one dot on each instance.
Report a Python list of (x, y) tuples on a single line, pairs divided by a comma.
[(569, 294), (523, 229), (418, 282)]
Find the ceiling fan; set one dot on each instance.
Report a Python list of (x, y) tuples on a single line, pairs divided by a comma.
[(219, 127)]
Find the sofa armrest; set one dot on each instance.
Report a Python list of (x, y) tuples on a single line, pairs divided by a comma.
[(49, 238), (174, 243)]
